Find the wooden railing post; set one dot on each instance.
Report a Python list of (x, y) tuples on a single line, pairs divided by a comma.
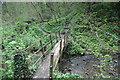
[(42, 48), (64, 38), (51, 40), (60, 46), (51, 66), (56, 37), (59, 34)]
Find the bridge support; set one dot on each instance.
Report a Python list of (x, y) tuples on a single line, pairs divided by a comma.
[(51, 66)]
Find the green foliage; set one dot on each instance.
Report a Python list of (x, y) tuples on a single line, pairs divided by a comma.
[(66, 76), (54, 26), (96, 34), (100, 8), (18, 36), (92, 32), (73, 48), (91, 38), (20, 66)]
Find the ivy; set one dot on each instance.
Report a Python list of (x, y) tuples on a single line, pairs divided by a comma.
[(21, 69), (66, 76)]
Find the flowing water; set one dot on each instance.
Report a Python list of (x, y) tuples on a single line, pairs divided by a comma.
[(86, 66)]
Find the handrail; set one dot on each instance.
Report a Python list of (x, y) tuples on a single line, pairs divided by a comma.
[(42, 54), (31, 45), (56, 46), (46, 51), (58, 50), (38, 59), (34, 53), (48, 42), (52, 67), (55, 59), (57, 62), (45, 37), (36, 42)]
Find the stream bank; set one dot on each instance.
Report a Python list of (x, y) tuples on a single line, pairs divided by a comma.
[(86, 66)]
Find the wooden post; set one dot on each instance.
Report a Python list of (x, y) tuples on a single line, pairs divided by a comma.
[(42, 48), (51, 40), (64, 39), (60, 46), (51, 66), (59, 34), (56, 37)]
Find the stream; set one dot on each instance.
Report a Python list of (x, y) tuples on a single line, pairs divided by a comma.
[(86, 66)]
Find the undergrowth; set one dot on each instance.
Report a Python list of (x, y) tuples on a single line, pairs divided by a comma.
[(66, 76), (95, 39), (19, 36)]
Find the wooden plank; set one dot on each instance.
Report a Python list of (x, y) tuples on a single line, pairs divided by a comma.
[(43, 70)]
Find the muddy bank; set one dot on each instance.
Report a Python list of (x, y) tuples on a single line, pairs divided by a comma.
[(86, 66)]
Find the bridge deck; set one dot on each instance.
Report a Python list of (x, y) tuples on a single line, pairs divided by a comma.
[(43, 70)]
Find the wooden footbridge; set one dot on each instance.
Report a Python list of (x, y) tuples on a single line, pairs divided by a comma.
[(50, 56), (49, 53)]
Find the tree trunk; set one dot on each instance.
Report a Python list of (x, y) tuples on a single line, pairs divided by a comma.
[(37, 12)]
